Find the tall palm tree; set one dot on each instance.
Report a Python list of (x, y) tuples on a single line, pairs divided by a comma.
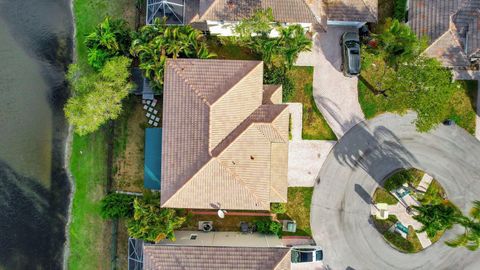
[(436, 217), (470, 239)]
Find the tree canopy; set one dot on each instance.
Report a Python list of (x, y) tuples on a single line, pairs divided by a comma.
[(97, 97), (116, 205), (278, 46), (436, 217), (279, 51), (153, 44), (406, 78), (152, 223), (470, 239), (110, 38)]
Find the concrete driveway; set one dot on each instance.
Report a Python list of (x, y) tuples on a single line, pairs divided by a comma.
[(359, 162), (305, 157), (336, 96)]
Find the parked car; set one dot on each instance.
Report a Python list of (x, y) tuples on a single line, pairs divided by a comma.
[(306, 254), (350, 43), (449, 122)]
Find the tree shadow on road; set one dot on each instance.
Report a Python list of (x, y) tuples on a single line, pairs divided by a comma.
[(367, 149)]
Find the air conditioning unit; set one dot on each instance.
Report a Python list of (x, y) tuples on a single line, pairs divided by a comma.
[(205, 226)]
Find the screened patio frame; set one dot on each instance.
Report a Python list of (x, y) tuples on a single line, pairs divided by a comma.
[(157, 7)]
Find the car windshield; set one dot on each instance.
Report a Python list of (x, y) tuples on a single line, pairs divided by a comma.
[(354, 52), (351, 43), (319, 255), (302, 256)]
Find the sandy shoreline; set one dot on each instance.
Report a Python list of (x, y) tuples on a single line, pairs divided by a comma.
[(67, 155)]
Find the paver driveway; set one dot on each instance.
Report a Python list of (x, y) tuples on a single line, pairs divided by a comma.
[(360, 160), (336, 96)]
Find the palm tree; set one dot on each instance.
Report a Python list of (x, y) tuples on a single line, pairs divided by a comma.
[(470, 239), (436, 217), (153, 44)]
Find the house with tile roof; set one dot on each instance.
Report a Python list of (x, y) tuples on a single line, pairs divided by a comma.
[(173, 257), (220, 16), (225, 136), (452, 28)]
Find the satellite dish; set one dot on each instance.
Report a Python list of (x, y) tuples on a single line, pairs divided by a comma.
[(221, 213)]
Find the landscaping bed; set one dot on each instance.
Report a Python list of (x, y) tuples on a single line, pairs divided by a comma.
[(434, 195)]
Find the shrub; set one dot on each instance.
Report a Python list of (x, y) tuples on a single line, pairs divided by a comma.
[(109, 39), (152, 223), (116, 205), (399, 242), (400, 11), (267, 226), (279, 76), (278, 208), (397, 180)]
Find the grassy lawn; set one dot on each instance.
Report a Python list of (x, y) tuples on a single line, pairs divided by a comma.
[(298, 209), (129, 146), (88, 13), (225, 48), (462, 105), (89, 233), (314, 125), (381, 195)]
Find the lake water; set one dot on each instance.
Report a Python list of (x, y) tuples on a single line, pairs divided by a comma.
[(35, 49)]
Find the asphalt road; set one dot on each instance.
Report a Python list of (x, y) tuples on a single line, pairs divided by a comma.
[(362, 159)]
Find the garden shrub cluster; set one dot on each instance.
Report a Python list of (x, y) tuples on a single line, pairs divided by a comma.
[(278, 53), (116, 205), (398, 179), (399, 242), (268, 226), (146, 220)]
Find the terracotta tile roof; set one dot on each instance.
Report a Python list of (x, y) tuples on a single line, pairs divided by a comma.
[(217, 137), (290, 11), (272, 94), (452, 27), (159, 257), (352, 10)]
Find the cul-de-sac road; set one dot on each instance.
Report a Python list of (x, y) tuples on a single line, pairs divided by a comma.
[(360, 161)]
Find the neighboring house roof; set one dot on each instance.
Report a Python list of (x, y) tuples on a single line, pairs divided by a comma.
[(351, 10), (223, 146), (289, 11), (159, 257), (452, 27)]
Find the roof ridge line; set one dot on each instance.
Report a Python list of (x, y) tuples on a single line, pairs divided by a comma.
[(191, 87), (188, 181), (241, 79), (242, 182)]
